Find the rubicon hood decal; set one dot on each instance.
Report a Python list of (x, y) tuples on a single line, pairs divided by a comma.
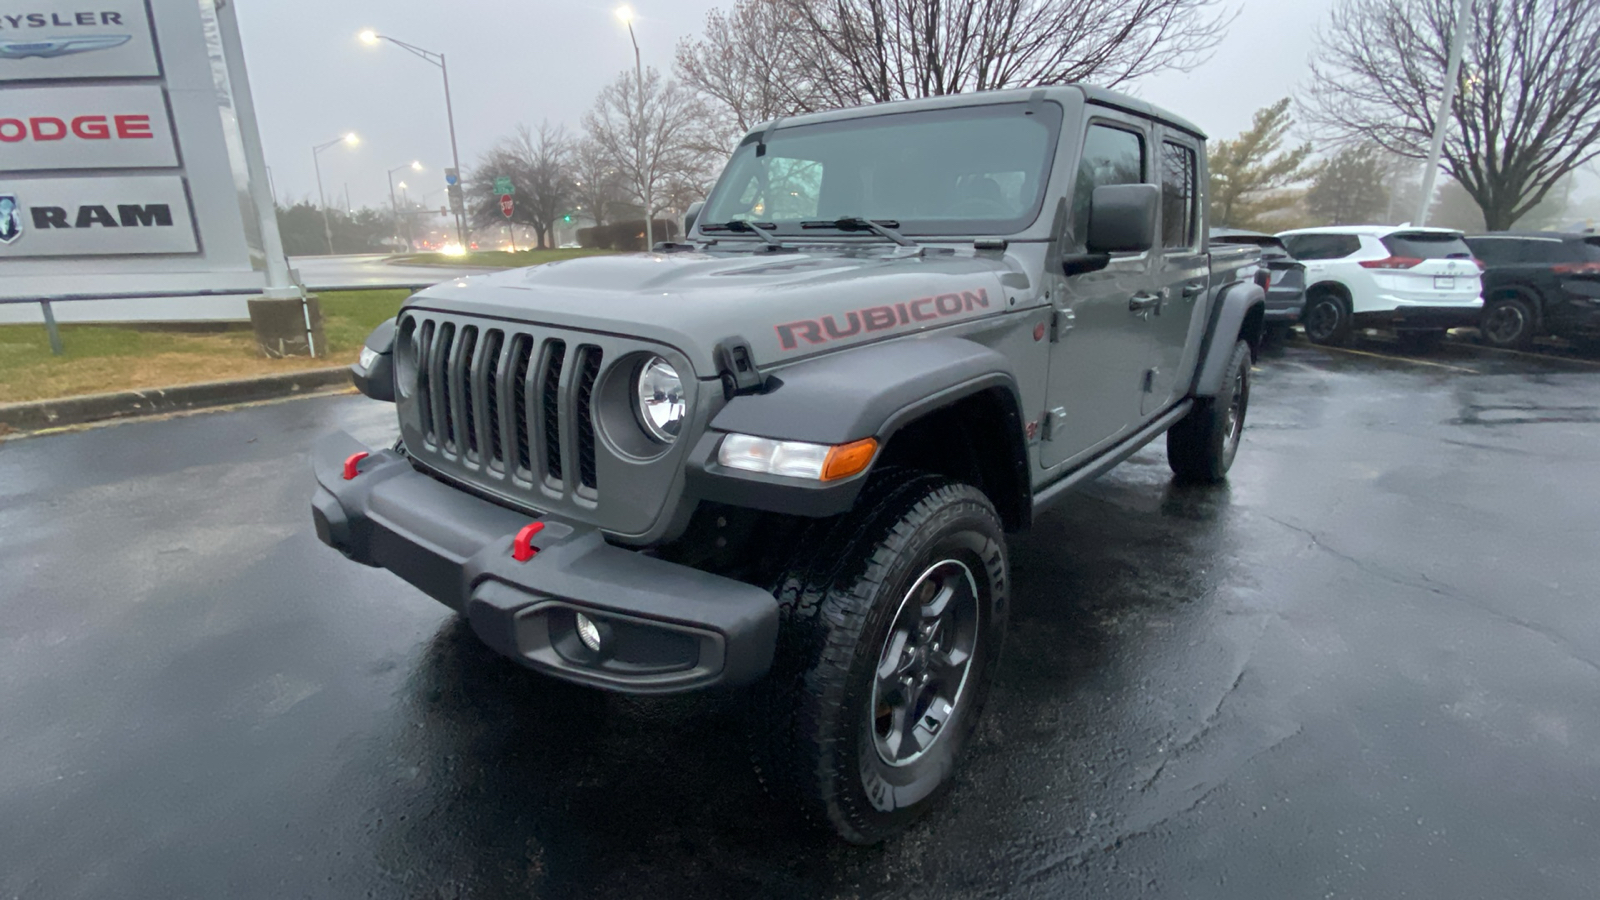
[(879, 318)]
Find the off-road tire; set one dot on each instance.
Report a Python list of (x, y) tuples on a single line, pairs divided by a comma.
[(1508, 322), (1202, 446), (812, 721), (1327, 319)]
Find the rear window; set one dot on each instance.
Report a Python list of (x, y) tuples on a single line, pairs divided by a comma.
[(1322, 246), (1427, 245)]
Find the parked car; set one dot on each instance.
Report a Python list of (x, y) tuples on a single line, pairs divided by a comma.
[(1286, 292), (1418, 282), (788, 454), (1539, 283)]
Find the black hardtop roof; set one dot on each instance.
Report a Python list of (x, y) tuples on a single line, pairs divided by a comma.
[(1092, 95)]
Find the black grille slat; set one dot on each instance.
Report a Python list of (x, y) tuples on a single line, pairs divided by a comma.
[(466, 372), (588, 374), (522, 358), (550, 408), (486, 393), (439, 385), (424, 346), (455, 391)]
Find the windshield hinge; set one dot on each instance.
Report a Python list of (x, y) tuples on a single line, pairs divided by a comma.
[(736, 366)]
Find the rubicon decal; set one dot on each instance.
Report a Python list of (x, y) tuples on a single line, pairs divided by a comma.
[(880, 318)]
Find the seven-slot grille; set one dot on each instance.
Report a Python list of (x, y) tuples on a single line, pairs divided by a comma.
[(507, 402)]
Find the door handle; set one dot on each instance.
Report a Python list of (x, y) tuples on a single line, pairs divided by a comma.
[(1193, 290), (1142, 303)]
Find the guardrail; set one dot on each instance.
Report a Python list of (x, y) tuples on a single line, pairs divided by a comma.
[(54, 332)]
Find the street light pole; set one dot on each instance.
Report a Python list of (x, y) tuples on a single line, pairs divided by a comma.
[(322, 197), (1442, 121), (415, 166), (372, 37), (626, 15)]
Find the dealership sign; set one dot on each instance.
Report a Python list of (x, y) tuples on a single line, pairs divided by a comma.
[(112, 127), (83, 39), (136, 214)]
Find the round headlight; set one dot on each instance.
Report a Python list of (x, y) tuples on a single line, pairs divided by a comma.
[(660, 397)]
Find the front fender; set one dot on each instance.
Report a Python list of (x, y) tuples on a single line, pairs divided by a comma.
[(1233, 309), (870, 391)]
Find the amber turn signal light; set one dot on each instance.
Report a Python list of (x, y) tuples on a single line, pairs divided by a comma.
[(849, 459)]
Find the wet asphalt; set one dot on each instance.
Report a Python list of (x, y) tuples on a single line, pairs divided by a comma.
[(1367, 667)]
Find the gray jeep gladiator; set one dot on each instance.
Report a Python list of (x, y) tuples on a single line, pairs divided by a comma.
[(784, 457)]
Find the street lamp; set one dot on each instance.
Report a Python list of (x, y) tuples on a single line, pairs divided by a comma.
[(625, 14), (371, 37), (415, 166), (316, 151)]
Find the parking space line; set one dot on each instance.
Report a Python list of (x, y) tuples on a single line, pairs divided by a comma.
[(1404, 359), (1546, 357)]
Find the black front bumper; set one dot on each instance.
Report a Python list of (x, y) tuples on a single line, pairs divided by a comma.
[(665, 627)]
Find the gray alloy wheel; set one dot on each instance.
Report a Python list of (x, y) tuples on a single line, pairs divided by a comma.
[(926, 657)]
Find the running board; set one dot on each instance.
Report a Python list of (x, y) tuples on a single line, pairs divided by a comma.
[(1094, 468)]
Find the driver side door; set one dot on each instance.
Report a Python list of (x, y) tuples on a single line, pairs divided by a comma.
[(1102, 346)]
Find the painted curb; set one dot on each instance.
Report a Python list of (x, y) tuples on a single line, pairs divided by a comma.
[(40, 414)]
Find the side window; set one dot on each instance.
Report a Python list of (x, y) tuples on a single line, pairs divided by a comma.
[(1177, 196), (1493, 250), (1110, 156), (1322, 246)]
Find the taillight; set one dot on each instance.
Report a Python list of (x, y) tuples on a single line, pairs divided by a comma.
[(1583, 268), (1391, 262)]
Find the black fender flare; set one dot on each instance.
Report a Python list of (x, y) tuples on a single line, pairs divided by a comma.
[(871, 391), (1234, 304)]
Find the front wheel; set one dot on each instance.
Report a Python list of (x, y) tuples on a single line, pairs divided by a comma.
[(891, 632), (1201, 447), (1507, 323), (1327, 319)]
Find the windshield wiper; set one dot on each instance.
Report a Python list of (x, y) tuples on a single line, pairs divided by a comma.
[(885, 228), (741, 226)]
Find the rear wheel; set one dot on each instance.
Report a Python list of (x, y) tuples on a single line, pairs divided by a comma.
[(1201, 447), (1508, 322), (1326, 318), (892, 626)]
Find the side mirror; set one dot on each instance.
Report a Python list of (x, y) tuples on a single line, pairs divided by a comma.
[(691, 215), (1122, 218), (374, 374)]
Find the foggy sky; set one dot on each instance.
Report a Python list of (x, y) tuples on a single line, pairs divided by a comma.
[(514, 62)]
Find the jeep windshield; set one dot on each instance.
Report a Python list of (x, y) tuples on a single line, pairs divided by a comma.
[(976, 170)]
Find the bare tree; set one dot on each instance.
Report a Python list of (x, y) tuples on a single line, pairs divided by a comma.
[(650, 142), (596, 188), (747, 66), (878, 50), (1527, 112), (538, 164)]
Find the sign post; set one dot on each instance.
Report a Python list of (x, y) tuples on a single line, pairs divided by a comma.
[(503, 187)]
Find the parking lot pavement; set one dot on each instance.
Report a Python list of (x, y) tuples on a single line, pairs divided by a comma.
[(1368, 667)]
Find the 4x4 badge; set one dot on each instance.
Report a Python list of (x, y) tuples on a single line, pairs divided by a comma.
[(10, 219)]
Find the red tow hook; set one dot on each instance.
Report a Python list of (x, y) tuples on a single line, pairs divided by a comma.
[(350, 470), (522, 548)]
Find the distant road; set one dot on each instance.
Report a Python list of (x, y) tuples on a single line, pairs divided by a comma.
[(371, 270)]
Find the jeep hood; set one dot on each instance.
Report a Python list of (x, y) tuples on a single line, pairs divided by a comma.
[(788, 305)]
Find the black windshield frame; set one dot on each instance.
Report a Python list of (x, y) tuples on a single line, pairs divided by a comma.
[(721, 205)]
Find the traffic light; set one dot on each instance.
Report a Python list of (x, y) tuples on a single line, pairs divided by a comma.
[(567, 217)]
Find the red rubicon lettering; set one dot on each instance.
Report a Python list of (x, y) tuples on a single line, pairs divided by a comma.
[(878, 318)]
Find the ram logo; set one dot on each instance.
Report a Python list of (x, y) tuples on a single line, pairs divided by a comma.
[(49, 48), (10, 219)]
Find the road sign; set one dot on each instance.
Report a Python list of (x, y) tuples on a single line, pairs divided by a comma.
[(506, 205), (452, 177), (457, 204), (502, 186)]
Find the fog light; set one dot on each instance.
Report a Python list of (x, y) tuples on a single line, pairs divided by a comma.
[(589, 633)]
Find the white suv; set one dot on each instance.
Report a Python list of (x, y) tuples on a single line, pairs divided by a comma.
[(1417, 281)]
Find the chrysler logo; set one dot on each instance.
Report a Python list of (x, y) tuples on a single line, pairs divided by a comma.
[(10, 219), (49, 48)]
